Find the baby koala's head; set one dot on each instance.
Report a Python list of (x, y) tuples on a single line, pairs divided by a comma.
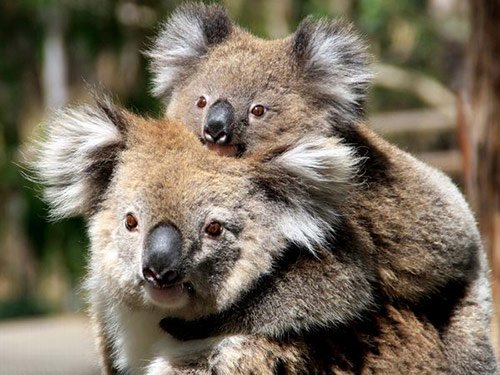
[(240, 94), (175, 227)]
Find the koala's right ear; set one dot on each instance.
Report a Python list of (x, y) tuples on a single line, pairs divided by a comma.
[(184, 39), (76, 158)]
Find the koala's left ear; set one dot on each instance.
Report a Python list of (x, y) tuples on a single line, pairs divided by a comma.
[(184, 39), (310, 179), (75, 160), (335, 64)]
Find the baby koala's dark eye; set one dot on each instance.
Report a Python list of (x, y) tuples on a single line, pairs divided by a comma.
[(201, 102), (258, 110), (213, 229), (130, 222)]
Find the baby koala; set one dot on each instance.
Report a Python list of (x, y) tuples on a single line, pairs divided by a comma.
[(241, 95), (260, 261)]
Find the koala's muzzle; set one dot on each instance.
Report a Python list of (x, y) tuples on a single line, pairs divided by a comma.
[(219, 123), (161, 260)]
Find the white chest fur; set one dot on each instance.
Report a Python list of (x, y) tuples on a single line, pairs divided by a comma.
[(135, 336), (139, 342)]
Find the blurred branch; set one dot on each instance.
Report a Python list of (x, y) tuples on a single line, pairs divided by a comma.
[(449, 161), (428, 89), (417, 130), (421, 120)]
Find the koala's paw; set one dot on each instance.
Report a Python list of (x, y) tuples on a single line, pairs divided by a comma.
[(161, 366), (240, 355)]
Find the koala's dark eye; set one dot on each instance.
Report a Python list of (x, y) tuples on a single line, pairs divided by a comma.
[(130, 222), (213, 229), (258, 110), (201, 102)]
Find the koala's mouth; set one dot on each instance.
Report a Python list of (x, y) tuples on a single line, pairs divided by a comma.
[(172, 296), (228, 149)]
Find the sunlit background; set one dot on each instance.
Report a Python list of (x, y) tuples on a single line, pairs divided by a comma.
[(53, 52)]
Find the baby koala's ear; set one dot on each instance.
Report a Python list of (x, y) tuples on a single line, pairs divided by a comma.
[(335, 63), (184, 39), (310, 179), (77, 155)]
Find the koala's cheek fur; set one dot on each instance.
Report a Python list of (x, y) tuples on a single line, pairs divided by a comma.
[(222, 270), (294, 119), (258, 252), (115, 264)]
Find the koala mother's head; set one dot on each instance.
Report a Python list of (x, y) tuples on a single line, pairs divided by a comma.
[(174, 226), (240, 93)]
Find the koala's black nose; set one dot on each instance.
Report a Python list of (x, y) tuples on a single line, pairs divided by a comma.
[(219, 121), (161, 261)]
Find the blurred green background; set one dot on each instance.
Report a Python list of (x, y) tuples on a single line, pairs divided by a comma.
[(52, 52)]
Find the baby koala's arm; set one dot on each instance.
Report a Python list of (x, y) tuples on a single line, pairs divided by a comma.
[(243, 355), (239, 355)]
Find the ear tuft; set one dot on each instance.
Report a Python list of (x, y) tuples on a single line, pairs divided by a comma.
[(325, 164), (324, 169), (75, 160), (184, 39), (216, 24), (312, 177), (336, 63)]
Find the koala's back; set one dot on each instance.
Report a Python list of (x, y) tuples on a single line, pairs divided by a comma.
[(420, 228), (395, 342)]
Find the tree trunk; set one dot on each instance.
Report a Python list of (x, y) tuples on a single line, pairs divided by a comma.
[(480, 127)]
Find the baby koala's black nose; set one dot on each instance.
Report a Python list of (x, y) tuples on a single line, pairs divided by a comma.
[(161, 260), (219, 121)]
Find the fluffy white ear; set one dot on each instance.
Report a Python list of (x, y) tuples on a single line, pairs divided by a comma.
[(336, 64), (311, 178), (183, 41), (75, 160), (325, 166)]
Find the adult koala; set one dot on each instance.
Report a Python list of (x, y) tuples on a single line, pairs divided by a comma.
[(241, 95), (255, 245)]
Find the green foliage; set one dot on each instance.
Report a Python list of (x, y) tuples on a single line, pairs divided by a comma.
[(21, 307)]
